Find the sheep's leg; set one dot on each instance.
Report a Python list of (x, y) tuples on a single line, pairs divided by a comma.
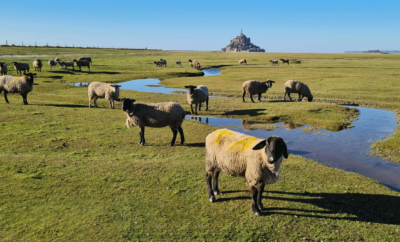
[(90, 101), (259, 197), (215, 183), (5, 96), (141, 133), (175, 132), (289, 96), (191, 109), (284, 97), (95, 102), (207, 104), (254, 207), (259, 97), (24, 98), (211, 196), (300, 97), (195, 110), (199, 106), (111, 106), (181, 134), (244, 94), (251, 97)]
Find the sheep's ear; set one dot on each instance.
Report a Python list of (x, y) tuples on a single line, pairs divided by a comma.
[(187, 86), (284, 149), (260, 145)]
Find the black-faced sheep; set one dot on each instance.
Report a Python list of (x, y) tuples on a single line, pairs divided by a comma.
[(242, 61), (103, 90), (256, 87), (302, 89), (12, 84), (51, 63), (68, 63), (21, 67), (237, 154), (155, 115), (86, 59), (178, 63), (195, 64), (38, 65), (82, 63), (3, 68), (274, 62), (196, 96), (285, 61)]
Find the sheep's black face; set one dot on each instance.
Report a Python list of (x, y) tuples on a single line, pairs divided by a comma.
[(127, 105), (310, 98), (275, 148), (190, 88)]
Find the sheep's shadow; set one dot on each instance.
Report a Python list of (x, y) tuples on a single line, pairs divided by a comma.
[(251, 112), (65, 105), (196, 145), (71, 72), (53, 77), (102, 72)]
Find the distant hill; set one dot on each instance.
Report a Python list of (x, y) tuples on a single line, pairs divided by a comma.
[(375, 51)]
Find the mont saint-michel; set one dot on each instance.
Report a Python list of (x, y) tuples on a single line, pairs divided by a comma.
[(242, 44)]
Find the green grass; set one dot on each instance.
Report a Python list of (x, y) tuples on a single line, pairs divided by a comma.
[(73, 174)]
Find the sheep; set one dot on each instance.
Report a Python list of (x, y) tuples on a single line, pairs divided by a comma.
[(68, 63), (195, 64), (155, 115), (178, 63), (21, 67), (163, 63), (82, 63), (242, 61), (256, 87), (3, 68), (197, 95), (12, 84), (103, 90), (158, 64), (302, 89), (274, 62), (86, 58), (241, 155), (51, 63), (285, 61), (58, 61), (38, 65)]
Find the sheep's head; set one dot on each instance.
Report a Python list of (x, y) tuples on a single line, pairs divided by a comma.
[(269, 83), (190, 60), (275, 148), (30, 76), (190, 88), (128, 106), (15, 63), (74, 60), (116, 88), (310, 98)]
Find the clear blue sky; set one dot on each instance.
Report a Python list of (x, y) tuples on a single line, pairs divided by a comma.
[(276, 26)]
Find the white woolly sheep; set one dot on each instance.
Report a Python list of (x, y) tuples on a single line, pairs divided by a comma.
[(86, 58), (51, 63), (195, 64), (242, 61), (285, 61), (302, 89), (256, 87), (274, 62), (21, 67), (240, 155), (103, 90), (38, 65), (3, 68), (82, 63), (196, 96), (155, 115), (68, 63), (12, 84)]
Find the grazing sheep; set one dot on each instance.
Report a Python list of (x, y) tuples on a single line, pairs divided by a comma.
[(103, 90), (38, 65), (82, 63), (237, 154), (195, 64), (12, 84), (163, 63), (256, 87), (51, 63), (158, 64), (21, 67), (3, 68), (242, 61), (86, 58), (58, 61), (274, 62), (155, 115), (302, 89), (197, 95), (68, 63), (178, 63), (285, 61)]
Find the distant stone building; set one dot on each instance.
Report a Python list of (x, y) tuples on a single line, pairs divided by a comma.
[(242, 44), (372, 51)]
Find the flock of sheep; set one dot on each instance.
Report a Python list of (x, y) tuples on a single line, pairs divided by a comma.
[(236, 154)]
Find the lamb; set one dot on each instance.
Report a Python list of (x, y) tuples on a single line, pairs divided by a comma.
[(241, 155), (21, 67), (82, 63), (195, 64), (86, 58), (302, 89), (12, 84), (38, 65), (178, 63), (285, 61), (274, 62), (197, 95), (3, 68), (103, 90), (51, 63), (155, 115), (242, 61), (256, 87), (68, 63)]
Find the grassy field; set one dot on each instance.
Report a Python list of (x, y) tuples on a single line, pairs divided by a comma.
[(70, 173)]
